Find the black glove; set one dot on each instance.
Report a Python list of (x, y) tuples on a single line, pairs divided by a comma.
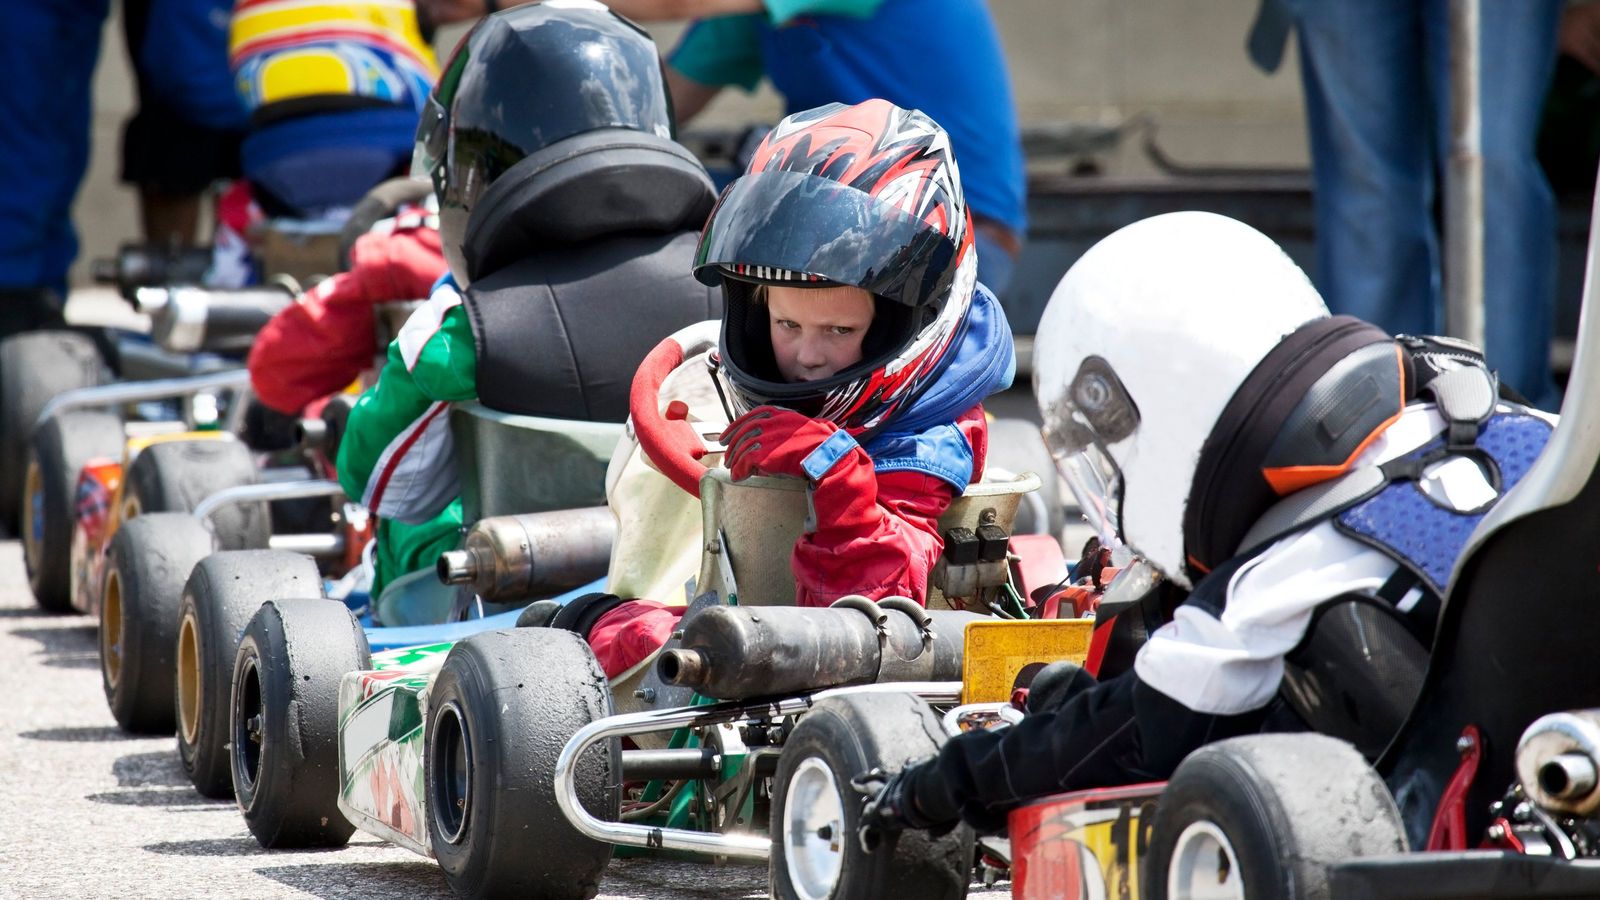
[(890, 805)]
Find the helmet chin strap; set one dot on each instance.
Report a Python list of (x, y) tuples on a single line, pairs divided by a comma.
[(1302, 415)]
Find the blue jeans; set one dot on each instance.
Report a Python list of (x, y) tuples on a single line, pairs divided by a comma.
[(47, 57), (995, 265), (1376, 75)]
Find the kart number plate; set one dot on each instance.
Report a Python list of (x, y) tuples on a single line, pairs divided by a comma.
[(997, 652)]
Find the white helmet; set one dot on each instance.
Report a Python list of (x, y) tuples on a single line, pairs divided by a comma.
[(1143, 345)]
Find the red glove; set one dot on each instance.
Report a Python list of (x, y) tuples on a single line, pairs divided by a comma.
[(770, 440)]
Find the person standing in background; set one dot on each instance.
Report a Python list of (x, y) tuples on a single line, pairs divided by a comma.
[(942, 57), (47, 57), (1376, 77)]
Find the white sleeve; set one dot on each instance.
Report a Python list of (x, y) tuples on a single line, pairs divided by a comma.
[(1233, 663)]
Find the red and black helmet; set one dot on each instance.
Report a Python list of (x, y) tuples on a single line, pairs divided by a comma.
[(866, 196)]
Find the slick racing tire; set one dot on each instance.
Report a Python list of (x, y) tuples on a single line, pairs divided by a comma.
[(1264, 816), (223, 592), (816, 814), (34, 368), (60, 448), (500, 712), (174, 476), (149, 560), (284, 720)]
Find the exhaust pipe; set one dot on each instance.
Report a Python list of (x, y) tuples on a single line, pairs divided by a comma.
[(508, 558), (1558, 762), (734, 653)]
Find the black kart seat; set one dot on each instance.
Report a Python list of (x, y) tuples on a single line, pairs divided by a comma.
[(1521, 621)]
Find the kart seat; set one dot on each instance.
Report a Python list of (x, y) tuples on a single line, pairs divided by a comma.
[(512, 464), (759, 520), (1521, 618)]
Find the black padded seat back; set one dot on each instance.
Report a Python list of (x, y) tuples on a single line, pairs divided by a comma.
[(597, 183), (560, 332)]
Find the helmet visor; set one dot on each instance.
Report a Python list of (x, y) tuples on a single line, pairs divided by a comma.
[(816, 226), (433, 133), (1094, 413)]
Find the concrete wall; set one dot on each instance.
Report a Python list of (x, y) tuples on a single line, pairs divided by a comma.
[(1181, 62)]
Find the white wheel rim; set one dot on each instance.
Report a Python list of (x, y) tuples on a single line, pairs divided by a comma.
[(1204, 866), (813, 830)]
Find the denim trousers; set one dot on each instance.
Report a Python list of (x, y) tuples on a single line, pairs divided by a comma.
[(47, 58), (1376, 76)]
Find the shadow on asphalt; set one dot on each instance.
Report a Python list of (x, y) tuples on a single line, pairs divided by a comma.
[(151, 768), (348, 881), (83, 734), (234, 846), (685, 879), (66, 647), (179, 799)]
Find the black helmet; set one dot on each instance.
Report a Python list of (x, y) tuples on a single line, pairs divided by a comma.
[(526, 78)]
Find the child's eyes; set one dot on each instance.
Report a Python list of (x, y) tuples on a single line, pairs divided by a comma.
[(788, 324), (841, 330)]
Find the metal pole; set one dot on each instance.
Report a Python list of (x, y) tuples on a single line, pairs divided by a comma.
[(1463, 199)]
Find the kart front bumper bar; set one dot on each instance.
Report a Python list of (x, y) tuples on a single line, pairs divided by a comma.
[(734, 846)]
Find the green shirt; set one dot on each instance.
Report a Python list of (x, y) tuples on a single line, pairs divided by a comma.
[(726, 50)]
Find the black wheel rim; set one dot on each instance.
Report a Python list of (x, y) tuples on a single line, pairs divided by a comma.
[(249, 730), (451, 787)]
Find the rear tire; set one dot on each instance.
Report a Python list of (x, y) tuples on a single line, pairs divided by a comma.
[(174, 476), (60, 448), (500, 712), (1265, 816), (34, 368), (840, 738), (284, 720), (149, 560), (222, 594)]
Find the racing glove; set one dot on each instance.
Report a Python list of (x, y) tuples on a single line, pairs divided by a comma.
[(890, 804), (770, 440)]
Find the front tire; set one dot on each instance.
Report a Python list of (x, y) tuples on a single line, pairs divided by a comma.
[(500, 712), (61, 447), (34, 368), (222, 593), (174, 476), (1264, 817), (816, 814), (284, 720), (150, 558)]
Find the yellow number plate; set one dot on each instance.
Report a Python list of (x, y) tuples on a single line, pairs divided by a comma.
[(995, 652)]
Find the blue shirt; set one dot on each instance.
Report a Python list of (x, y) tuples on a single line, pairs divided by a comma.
[(940, 56)]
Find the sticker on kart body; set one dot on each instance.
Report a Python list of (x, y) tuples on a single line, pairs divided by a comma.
[(381, 751), (1085, 845)]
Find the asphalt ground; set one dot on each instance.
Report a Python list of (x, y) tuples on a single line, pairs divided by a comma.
[(87, 811)]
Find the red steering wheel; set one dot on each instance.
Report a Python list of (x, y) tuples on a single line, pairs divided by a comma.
[(668, 441)]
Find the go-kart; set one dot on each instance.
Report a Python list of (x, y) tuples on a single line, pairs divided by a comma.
[(141, 522), (550, 472), (500, 754)]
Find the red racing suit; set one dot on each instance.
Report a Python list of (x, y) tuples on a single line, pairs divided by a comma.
[(328, 337), (876, 534)]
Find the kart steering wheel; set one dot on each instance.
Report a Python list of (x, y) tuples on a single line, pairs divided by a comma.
[(669, 441)]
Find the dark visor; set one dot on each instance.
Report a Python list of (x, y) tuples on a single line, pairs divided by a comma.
[(816, 226)]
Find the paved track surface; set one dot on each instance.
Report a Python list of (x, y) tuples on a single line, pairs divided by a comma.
[(87, 811)]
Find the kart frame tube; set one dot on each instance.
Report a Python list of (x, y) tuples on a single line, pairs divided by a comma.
[(236, 380), (736, 846), (309, 544)]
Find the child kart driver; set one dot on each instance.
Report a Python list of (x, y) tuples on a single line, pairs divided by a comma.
[(1311, 477), (855, 350), (564, 208)]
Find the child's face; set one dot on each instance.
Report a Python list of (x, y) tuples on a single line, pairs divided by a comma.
[(817, 332)]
